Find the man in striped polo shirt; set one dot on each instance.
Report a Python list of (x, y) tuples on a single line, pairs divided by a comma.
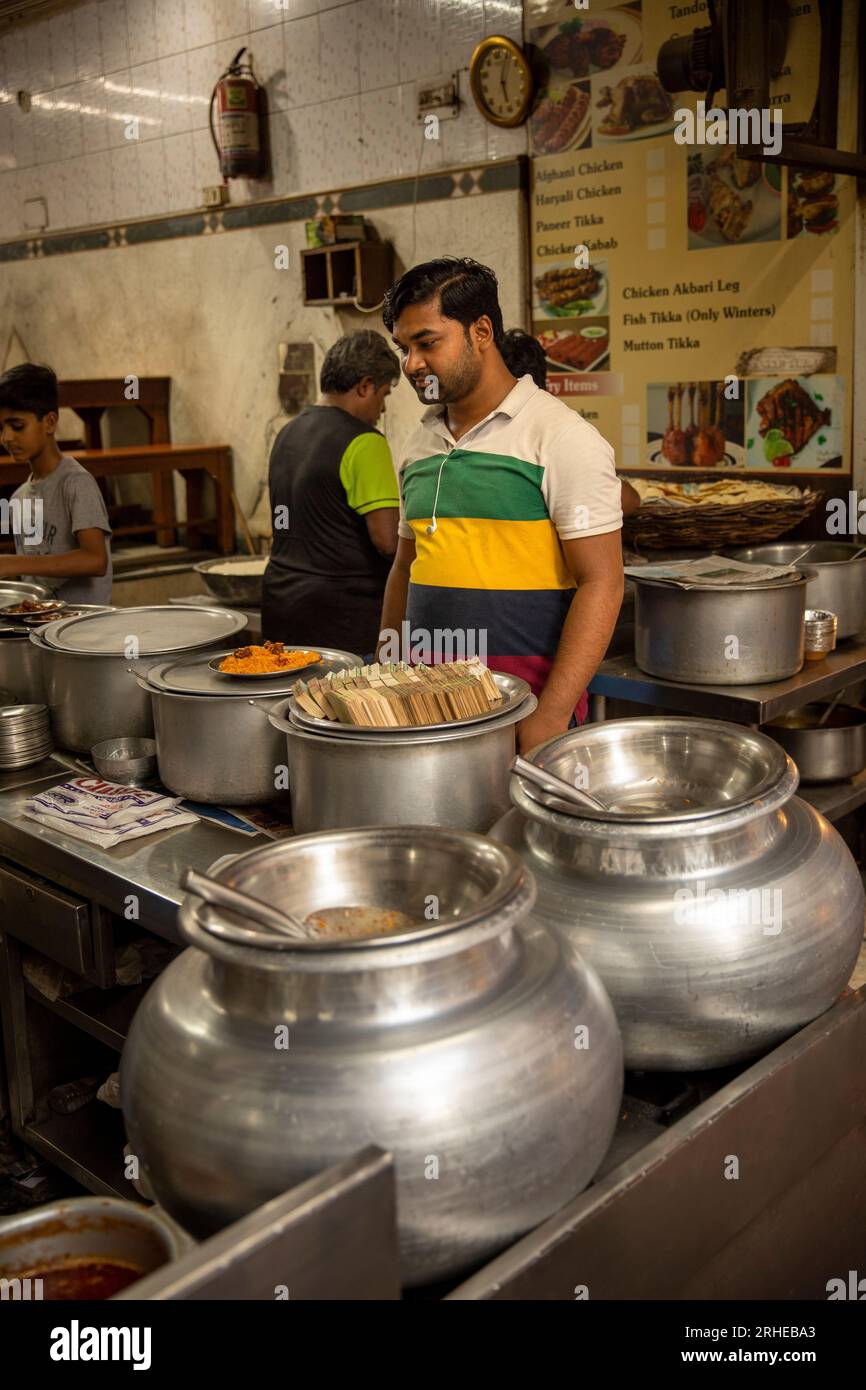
[(510, 511)]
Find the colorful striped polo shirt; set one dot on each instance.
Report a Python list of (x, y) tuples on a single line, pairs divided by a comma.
[(492, 569)]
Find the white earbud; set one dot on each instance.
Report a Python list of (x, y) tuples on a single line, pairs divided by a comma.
[(432, 527)]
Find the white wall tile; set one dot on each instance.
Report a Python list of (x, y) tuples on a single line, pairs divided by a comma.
[(420, 51), (67, 123), (381, 151), (462, 23), (141, 30), (151, 178), (10, 207), (504, 17), (17, 61), (464, 141), (51, 188), (378, 43), (124, 182), (38, 41), (279, 140), (31, 184), (62, 28), (504, 142), (22, 138), (415, 151), (174, 86), (338, 46), (232, 17), (201, 23), (113, 34), (302, 61), (100, 190), (7, 152), (203, 69), (341, 134), (145, 99), (118, 105), (306, 149), (42, 129), (5, 94), (170, 21), (266, 12), (94, 125), (205, 162), (88, 43), (269, 65), (181, 192), (76, 202), (329, 4)]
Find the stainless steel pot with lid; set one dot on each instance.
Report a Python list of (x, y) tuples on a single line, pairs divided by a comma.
[(720, 910), (452, 1042), (838, 578), (214, 740), (90, 666), (708, 635), (450, 775)]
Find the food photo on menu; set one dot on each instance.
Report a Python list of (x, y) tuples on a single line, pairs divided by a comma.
[(568, 50), (813, 202), (693, 424), (731, 200), (579, 346), (794, 422), (564, 290)]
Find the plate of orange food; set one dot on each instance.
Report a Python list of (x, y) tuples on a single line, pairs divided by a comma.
[(264, 662)]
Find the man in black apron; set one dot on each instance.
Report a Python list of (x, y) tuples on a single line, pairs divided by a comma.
[(334, 506)]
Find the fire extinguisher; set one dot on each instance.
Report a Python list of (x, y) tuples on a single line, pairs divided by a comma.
[(237, 130)]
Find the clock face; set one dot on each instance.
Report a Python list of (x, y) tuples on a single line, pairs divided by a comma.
[(502, 84)]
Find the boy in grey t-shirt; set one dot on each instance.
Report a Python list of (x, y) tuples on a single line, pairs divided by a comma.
[(57, 517)]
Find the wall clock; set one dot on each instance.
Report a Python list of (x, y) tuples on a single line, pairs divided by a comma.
[(501, 81)]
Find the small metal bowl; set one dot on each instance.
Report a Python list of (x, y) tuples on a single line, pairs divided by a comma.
[(130, 761)]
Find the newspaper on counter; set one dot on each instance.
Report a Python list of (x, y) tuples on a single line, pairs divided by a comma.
[(105, 813), (713, 571)]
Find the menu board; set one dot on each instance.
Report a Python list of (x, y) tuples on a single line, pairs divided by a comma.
[(696, 307)]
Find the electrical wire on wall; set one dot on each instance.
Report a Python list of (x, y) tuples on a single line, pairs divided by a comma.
[(376, 307)]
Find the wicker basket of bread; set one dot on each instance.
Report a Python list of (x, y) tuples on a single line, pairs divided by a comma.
[(730, 511)]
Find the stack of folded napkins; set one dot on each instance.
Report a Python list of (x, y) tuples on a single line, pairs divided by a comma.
[(105, 813)]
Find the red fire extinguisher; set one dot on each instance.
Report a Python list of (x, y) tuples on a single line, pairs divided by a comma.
[(237, 132)]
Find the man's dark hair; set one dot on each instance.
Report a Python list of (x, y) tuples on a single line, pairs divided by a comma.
[(466, 290), (522, 353), (356, 355), (29, 388)]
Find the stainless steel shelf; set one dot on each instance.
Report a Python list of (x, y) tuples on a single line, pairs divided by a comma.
[(836, 799), (88, 1145), (619, 678), (103, 1013)]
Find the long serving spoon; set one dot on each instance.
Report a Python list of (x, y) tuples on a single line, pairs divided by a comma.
[(830, 708), (220, 895), (557, 786)]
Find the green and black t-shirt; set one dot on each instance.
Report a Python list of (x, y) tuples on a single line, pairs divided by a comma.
[(325, 580)]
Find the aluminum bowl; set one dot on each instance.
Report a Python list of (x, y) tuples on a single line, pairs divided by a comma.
[(245, 589), (130, 761)]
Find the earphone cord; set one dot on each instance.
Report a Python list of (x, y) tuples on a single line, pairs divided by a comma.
[(432, 527)]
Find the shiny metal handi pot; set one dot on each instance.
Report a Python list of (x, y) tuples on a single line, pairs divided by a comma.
[(827, 754), (21, 666), (214, 740), (838, 580), (713, 636), (455, 777), (482, 1052), (721, 911)]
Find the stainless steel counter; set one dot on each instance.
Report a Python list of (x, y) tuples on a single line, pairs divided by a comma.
[(619, 678), (149, 867)]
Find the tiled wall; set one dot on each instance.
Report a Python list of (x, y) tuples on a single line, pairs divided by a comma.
[(341, 87)]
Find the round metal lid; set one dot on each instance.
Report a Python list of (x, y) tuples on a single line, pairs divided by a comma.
[(192, 675), (749, 587), (156, 628)]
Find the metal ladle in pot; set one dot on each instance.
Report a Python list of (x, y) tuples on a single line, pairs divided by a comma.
[(220, 895), (557, 786)]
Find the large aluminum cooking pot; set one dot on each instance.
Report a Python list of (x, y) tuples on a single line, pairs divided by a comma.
[(94, 696), (21, 661), (712, 636), (838, 580), (831, 753), (720, 910), (484, 1055), (449, 776), (214, 741)]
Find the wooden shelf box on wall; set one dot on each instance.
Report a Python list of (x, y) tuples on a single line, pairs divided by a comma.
[(347, 271)]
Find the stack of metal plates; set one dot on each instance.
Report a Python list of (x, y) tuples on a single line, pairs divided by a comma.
[(25, 736)]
